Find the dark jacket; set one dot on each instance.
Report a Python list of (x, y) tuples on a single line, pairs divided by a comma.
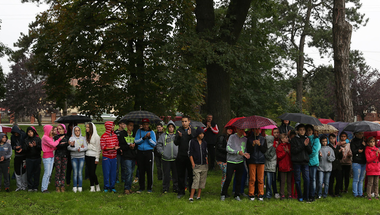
[(183, 142), (18, 141), (35, 151), (124, 142), (118, 133), (221, 151), (211, 137), (284, 129), (299, 152), (61, 150), (199, 152), (357, 157), (336, 165), (257, 153)]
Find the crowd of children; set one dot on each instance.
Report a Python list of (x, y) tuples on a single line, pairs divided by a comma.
[(323, 162)]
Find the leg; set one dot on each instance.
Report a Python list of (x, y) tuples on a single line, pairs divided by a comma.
[(252, 179), (282, 184), (80, 171), (203, 178), (149, 168), (129, 164), (48, 163), (118, 157), (158, 161), (141, 164), (320, 181), (331, 182), (29, 172), (289, 182), (166, 175), (223, 167), (238, 175), (189, 172), (361, 179), (243, 178), (313, 175), (113, 167), (269, 184), (211, 156), (369, 185), (181, 175), (57, 161), (339, 180), (5, 169), (106, 165), (75, 163), (306, 181), (326, 180), (260, 179), (376, 185), (355, 180), (297, 179), (173, 168), (230, 171), (68, 170)]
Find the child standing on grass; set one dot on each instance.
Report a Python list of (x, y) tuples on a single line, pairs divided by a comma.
[(92, 155), (326, 157), (5, 157), (372, 167), (346, 161), (284, 165), (32, 147), (198, 158), (336, 172), (61, 158), (270, 165), (78, 148)]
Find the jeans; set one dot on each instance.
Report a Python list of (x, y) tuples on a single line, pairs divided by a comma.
[(48, 167), (312, 178), (357, 182), (77, 164), (109, 172), (120, 165), (129, 166), (270, 177), (304, 168), (324, 178)]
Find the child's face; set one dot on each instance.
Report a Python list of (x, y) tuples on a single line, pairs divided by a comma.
[(229, 131), (301, 131), (309, 131), (4, 139), (343, 137), (332, 140), (159, 128), (285, 140), (171, 128), (372, 143), (276, 133), (256, 131), (130, 126), (52, 133), (122, 126), (316, 133), (30, 133), (61, 130), (77, 132), (324, 142), (87, 128)]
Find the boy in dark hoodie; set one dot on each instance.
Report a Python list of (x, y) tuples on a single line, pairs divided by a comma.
[(5, 157), (32, 147), (285, 127), (17, 142)]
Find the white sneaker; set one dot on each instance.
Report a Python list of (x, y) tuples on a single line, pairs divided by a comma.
[(277, 196), (237, 198), (261, 199), (80, 189), (97, 187), (75, 189), (252, 198), (373, 194), (92, 189)]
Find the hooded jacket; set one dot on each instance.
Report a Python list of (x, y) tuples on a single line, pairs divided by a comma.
[(18, 140), (270, 155), (33, 152), (93, 147), (256, 152), (220, 150), (5, 149), (299, 152), (77, 151), (109, 140), (284, 129), (325, 161), (347, 155), (356, 145), (315, 147), (165, 145), (198, 151), (373, 164), (143, 143), (183, 142), (234, 145), (47, 142), (283, 158)]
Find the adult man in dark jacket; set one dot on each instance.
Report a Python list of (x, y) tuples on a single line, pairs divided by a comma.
[(183, 135), (211, 131), (17, 142)]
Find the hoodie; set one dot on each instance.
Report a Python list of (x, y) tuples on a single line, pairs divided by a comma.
[(47, 142), (109, 140), (5, 149), (234, 145), (18, 140), (143, 143), (77, 151), (325, 161), (33, 152), (270, 155), (166, 146), (220, 149), (315, 147), (93, 147), (299, 152)]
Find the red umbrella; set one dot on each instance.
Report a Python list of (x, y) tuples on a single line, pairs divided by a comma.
[(253, 122), (5, 129), (229, 124), (325, 121)]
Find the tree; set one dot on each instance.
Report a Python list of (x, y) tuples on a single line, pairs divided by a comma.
[(3, 51)]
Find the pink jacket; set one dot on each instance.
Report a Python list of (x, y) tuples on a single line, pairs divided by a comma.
[(47, 142)]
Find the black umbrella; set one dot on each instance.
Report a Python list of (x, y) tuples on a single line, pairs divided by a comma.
[(301, 118), (362, 126), (192, 123), (138, 116), (73, 118)]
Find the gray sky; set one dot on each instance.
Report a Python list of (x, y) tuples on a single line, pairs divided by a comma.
[(16, 16)]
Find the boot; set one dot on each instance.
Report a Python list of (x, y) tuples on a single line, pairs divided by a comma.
[(92, 189), (80, 189), (62, 189), (58, 189), (97, 188), (75, 189)]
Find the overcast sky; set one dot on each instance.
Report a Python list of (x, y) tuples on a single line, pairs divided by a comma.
[(16, 16)]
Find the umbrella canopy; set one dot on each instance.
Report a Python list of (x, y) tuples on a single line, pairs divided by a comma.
[(253, 122), (325, 129), (229, 123), (192, 123), (269, 127), (325, 121), (138, 116), (362, 126), (73, 118), (301, 118), (340, 126), (5, 129)]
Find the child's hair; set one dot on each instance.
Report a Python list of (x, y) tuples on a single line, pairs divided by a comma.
[(309, 126), (343, 133), (332, 135), (369, 140), (89, 134), (300, 126), (282, 136), (292, 133), (323, 138)]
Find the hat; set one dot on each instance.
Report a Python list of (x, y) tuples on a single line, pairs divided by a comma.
[(145, 120), (199, 131)]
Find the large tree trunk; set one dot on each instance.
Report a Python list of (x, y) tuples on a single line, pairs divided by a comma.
[(342, 31)]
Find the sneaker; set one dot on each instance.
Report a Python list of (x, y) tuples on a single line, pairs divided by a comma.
[(372, 195), (45, 191), (7, 190), (150, 191), (290, 197), (198, 198), (191, 200), (105, 190), (237, 198), (136, 180), (114, 191), (222, 198), (18, 189), (35, 190), (261, 198), (243, 194), (369, 198), (139, 191), (30, 190), (300, 199), (277, 196), (180, 196), (319, 197), (252, 198), (282, 197)]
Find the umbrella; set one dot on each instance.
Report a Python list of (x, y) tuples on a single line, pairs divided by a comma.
[(340, 126), (301, 118), (362, 126), (73, 118), (325, 129), (269, 127), (192, 124), (5, 129), (138, 116), (229, 123), (325, 121), (253, 122)]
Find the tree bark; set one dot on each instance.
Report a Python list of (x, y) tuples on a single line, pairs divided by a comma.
[(342, 31)]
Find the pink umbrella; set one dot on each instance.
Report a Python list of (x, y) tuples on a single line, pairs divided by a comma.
[(269, 127), (253, 122)]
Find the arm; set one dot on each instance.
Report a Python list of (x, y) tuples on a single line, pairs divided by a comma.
[(152, 139), (138, 138), (263, 147), (316, 147), (229, 149), (192, 161), (280, 151), (9, 153), (215, 129), (354, 149), (270, 153), (84, 146), (49, 141), (370, 156), (160, 144), (331, 158)]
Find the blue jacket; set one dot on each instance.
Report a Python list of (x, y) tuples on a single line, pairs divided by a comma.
[(145, 144), (316, 146)]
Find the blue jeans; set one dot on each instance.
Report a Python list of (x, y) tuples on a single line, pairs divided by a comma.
[(77, 164), (313, 177), (270, 177), (357, 182), (298, 168), (324, 178), (129, 166), (48, 168), (109, 172)]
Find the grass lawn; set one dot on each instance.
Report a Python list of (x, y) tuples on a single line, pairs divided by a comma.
[(156, 203)]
